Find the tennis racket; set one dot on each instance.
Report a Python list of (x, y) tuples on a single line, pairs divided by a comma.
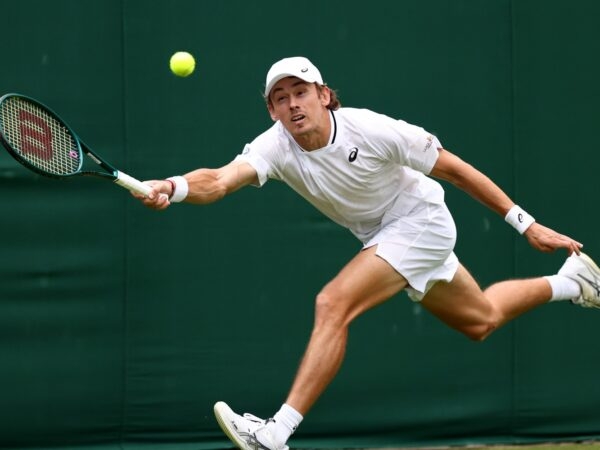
[(40, 140)]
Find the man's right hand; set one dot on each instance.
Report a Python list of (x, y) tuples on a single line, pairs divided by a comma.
[(159, 197)]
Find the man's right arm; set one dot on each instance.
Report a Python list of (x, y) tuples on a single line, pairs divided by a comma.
[(209, 185), (204, 185)]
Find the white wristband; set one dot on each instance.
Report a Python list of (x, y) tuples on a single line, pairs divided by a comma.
[(519, 219), (181, 189)]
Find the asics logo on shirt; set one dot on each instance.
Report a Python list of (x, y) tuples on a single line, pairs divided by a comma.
[(353, 154)]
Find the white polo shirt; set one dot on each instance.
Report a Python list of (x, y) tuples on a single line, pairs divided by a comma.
[(371, 172)]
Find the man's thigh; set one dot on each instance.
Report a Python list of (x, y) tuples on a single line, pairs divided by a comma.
[(460, 303), (366, 281)]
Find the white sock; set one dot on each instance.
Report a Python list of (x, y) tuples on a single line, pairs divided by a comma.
[(285, 422), (563, 288)]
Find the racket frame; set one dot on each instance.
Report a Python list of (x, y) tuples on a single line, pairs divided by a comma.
[(120, 178)]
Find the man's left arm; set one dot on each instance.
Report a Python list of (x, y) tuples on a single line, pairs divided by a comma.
[(451, 168)]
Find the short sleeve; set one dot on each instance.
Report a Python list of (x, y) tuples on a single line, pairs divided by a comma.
[(263, 154), (414, 146), (397, 141), (257, 162), (425, 153)]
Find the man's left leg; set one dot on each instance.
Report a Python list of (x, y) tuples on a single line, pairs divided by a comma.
[(462, 304)]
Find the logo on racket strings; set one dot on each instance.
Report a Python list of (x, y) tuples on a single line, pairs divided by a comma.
[(36, 136)]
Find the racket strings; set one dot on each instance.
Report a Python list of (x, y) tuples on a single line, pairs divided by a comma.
[(38, 137)]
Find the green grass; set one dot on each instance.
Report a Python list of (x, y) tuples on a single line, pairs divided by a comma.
[(591, 445), (558, 446)]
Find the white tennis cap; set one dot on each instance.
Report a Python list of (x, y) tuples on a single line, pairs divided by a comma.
[(298, 66)]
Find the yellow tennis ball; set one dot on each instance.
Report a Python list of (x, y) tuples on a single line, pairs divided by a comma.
[(182, 64)]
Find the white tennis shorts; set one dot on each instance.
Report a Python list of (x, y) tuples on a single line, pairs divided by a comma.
[(420, 246)]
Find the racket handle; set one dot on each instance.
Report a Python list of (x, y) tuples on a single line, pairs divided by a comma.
[(132, 184)]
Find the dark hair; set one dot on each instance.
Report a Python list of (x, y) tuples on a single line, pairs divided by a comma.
[(334, 101)]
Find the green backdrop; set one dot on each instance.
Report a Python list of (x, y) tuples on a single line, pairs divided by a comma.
[(120, 326)]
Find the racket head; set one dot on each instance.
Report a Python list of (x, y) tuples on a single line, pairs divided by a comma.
[(38, 138)]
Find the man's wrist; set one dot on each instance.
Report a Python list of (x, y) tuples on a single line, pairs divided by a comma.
[(519, 219), (179, 187)]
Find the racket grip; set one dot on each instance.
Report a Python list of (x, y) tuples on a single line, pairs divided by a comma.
[(132, 184)]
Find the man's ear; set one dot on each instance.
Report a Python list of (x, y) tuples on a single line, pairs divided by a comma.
[(325, 95), (274, 117)]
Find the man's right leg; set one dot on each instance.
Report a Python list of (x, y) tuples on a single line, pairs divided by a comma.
[(365, 282)]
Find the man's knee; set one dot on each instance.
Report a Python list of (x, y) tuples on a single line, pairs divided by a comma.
[(330, 309), (480, 331)]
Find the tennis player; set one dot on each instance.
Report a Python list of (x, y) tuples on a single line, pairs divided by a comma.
[(373, 175)]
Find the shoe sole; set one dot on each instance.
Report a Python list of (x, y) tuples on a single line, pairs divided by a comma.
[(220, 410), (593, 267)]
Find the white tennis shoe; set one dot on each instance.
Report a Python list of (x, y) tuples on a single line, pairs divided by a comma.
[(247, 432), (586, 273)]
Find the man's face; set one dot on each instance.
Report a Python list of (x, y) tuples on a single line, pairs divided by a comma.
[(299, 105)]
